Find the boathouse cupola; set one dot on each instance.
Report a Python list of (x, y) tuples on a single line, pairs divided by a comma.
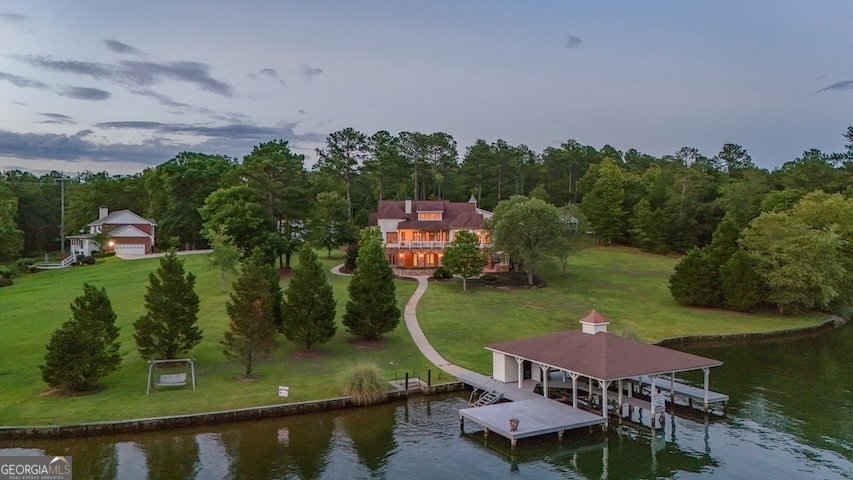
[(594, 323)]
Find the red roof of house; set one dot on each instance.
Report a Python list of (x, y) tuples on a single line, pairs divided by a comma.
[(455, 215), (603, 356)]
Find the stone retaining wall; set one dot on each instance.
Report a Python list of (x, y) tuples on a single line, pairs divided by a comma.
[(198, 419), (831, 322)]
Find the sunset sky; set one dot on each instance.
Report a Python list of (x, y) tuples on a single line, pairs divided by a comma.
[(125, 85)]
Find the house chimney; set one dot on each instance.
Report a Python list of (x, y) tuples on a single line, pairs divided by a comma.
[(408, 205), (594, 323), (103, 212)]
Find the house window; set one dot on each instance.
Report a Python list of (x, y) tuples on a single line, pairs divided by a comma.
[(391, 237), (429, 216)]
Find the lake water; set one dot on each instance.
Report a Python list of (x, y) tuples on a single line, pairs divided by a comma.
[(790, 416)]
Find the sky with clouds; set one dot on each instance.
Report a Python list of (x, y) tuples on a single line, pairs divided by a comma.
[(125, 85)]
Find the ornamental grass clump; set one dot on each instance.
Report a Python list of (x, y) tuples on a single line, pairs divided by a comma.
[(365, 385)]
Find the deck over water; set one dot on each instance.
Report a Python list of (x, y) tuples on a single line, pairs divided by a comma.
[(535, 417)]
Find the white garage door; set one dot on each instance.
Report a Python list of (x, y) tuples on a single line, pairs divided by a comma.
[(130, 249)]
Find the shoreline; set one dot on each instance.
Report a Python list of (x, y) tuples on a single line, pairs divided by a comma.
[(172, 422), (831, 322)]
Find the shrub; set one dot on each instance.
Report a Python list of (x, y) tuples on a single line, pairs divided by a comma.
[(488, 278), (89, 260), (442, 273), (365, 385), (23, 264), (6, 272), (111, 253), (5, 282)]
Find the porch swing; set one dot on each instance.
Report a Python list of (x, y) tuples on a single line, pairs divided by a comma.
[(170, 379)]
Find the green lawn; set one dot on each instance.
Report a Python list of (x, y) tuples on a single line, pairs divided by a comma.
[(37, 304), (627, 286)]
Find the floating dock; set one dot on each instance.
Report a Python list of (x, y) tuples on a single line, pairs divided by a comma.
[(535, 417)]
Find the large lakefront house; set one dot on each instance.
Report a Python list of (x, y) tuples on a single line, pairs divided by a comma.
[(129, 234), (415, 232)]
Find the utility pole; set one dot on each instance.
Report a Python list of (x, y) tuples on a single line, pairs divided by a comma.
[(62, 181)]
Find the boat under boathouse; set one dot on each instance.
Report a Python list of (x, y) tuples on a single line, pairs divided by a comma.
[(591, 361)]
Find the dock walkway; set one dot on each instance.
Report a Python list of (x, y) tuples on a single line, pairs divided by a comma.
[(537, 415)]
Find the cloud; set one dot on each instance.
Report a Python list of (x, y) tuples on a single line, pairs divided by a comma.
[(573, 42), (85, 93), (232, 131), (140, 74), (56, 118), (161, 99), (148, 73), (13, 17), (269, 73), (75, 148), (842, 85), (90, 69), (21, 81), (123, 48), (309, 71), (233, 140)]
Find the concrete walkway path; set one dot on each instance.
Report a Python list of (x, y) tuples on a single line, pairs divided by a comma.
[(464, 375), (160, 254)]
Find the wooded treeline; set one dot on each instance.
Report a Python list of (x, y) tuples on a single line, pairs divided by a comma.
[(666, 204)]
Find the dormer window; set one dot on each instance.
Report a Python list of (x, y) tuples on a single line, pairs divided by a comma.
[(429, 216)]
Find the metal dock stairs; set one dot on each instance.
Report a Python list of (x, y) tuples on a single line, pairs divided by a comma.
[(488, 397)]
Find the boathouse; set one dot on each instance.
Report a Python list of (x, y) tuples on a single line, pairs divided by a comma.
[(593, 361)]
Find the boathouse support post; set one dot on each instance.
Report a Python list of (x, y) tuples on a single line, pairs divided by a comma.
[(546, 372), (590, 392), (672, 391), (520, 362), (604, 386), (619, 396), (574, 389), (707, 372), (652, 379)]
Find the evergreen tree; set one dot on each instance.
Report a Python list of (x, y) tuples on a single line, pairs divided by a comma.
[(169, 328), (463, 256), (225, 255), (603, 204), (647, 228), (309, 307), (371, 310), (252, 330), (84, 349), (740, 283), (695, 281)]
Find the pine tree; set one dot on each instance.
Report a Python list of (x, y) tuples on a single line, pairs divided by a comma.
[(252, 330), (371, 310), (695, 280), (225, 255), (84, 349), (463, 256), (309, 307), (741, 285), (169, 329)]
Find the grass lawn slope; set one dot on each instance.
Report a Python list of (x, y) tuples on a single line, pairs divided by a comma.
[(627, 286), (38, 304)]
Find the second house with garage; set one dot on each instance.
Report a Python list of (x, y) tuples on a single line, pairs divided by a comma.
[(122, 231)]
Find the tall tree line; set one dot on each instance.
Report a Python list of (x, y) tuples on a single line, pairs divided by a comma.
[(660, 204)]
